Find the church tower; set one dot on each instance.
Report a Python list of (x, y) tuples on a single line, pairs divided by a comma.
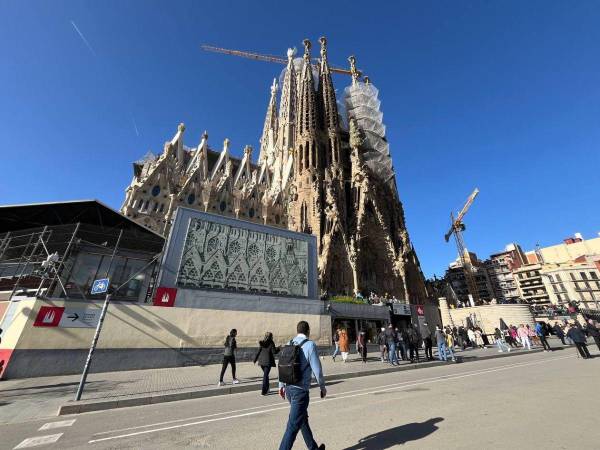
[(306, 208)]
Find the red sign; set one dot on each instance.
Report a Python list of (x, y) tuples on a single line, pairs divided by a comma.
[(165, 296), (49, 316), (420, 310), (5, 354)]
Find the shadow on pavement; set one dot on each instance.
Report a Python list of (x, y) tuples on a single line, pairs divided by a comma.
[(45, 386), (398, 435)]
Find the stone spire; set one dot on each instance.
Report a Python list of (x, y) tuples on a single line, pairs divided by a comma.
[(353, 70), (306, 117), (287, 107), (269, 128), (329, 119)]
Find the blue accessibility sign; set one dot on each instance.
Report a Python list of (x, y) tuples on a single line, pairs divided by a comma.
[(100, 286)]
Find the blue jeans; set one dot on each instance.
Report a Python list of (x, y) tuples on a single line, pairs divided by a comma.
[(449, 352), (392, 356), (442, 352), (297, 420), (337, 349)]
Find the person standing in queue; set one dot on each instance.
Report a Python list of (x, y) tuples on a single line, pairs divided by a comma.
[(298, 394), (426, 336), (362, 345), (344, 343)]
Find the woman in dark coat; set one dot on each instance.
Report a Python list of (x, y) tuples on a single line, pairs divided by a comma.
[(361, 342), (266, 359)]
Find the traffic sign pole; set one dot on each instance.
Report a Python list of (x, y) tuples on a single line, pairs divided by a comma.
[(88, 361)]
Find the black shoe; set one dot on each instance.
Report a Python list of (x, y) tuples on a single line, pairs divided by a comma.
[(322, 447)]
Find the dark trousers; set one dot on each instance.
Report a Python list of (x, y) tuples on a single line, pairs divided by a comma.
[(297, 420), (228, 360), (414, 352), (583, 350), (265, 383), (544, 342), (562, 339), (363, 353), (428, 348), (597, 341)]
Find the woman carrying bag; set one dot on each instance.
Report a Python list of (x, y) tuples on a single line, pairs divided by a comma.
[(266, 359)]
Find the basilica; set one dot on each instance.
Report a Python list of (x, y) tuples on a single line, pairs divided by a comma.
[(323, 168)]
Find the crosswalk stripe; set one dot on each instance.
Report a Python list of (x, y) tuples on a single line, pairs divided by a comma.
[(39, 440), (62, 423)]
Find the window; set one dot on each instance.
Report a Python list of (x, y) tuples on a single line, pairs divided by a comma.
[(583, 275), (558, 297), (191, 198), (572, 275), (562, 288), (551, 278), (594, 275), (558, 277), (155, 190)]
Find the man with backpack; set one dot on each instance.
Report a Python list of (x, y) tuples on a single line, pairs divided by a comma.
[(297, 361)]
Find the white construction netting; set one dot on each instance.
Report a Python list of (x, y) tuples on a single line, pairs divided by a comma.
[(363, 105)]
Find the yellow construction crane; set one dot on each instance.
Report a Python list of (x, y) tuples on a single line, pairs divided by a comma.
[(268, 58), (456, 228)]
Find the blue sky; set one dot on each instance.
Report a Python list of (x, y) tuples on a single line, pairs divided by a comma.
[(504, 96)]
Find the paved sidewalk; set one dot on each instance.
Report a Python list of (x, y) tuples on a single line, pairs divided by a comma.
[(33, 398)]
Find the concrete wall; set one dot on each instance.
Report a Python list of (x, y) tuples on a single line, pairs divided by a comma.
[(488, 315), (138, 336)]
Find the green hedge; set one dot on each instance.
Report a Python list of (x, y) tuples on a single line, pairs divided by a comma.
[(346, 299)]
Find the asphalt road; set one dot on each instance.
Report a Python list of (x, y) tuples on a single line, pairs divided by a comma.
[(543, 400)]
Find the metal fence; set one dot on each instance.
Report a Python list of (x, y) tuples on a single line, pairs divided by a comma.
[(63, 260)]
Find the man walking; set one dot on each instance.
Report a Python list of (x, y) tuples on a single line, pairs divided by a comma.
[(298, 394), (579, 339), (594, 332), (426, 335), (541, 334), (558, 331)]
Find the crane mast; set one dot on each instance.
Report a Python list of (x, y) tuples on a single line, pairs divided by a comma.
[(456, 228)]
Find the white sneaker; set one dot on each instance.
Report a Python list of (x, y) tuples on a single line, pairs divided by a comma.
[(220, 383), (508, 349), (236, 381)]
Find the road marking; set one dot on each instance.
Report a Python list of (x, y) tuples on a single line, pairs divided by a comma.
[(51, 425), (393, 385), (205, 416), (40, 440), (345, 395)]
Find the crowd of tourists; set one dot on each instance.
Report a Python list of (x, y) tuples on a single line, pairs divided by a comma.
[(396, 345), (299, 358)]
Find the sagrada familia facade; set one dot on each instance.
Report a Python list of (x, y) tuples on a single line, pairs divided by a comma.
[(319, 171)]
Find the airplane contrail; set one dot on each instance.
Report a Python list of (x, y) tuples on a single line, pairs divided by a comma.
[(135, 125), (85, 41)]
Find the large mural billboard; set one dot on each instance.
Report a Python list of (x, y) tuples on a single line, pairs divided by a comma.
[(225, 256)]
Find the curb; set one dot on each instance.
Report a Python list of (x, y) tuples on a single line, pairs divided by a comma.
[(73, 407)]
